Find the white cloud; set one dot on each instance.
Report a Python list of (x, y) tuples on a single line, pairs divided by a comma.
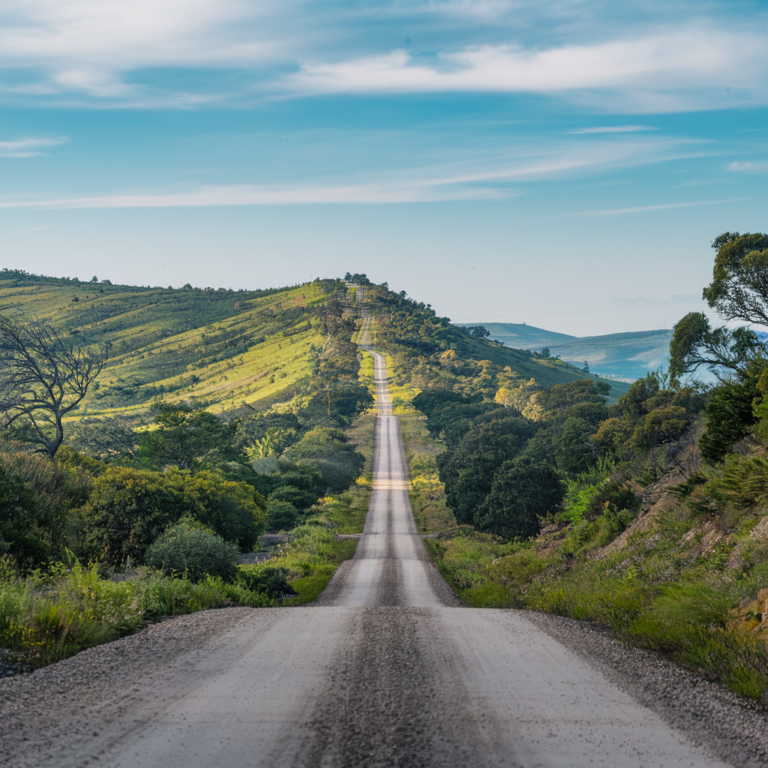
[(649, 208), (88, 45), (742, 166), (612, 129), (138, 52), (697, 58), (253, 195), (27, 147), (469, 180)]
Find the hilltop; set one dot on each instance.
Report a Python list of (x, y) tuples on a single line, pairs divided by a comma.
[(623, 355)]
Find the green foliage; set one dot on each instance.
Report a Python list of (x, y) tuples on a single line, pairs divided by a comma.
[(187, 437), (130, 508), (55, 614), (189, 550), (738, 290), (272, 582), (519, 497), (301, 500), (730, 417), (329, 451), (19, 535), (281, 515), (695, 344), (37, 498)]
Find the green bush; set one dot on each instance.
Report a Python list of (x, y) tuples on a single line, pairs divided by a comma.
[(130, 508), (196, 552), (282, 515), (271, 582)]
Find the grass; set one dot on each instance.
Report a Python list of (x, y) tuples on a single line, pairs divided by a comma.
[(52, 615), (225, 347), (661, 592)]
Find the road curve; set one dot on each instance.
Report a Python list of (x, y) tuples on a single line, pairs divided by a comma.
[(385, 669)]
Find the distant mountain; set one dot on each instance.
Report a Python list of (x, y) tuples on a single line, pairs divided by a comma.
[(524, 336), (627, 356)]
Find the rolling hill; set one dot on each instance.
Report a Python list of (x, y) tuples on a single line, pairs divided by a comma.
[(625, 356), (228, 349)]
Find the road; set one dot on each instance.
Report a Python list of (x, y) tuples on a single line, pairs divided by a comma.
[(386, 669)]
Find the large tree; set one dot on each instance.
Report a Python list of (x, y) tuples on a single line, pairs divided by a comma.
[(738, 292), (44, 375)]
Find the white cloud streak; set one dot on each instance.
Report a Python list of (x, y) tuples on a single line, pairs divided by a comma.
[(471, 180), (651, 208), (747, 166), (28, 147), (612, 129), (136, 52)]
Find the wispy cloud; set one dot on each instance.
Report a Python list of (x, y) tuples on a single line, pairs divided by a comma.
[(472, 179), (612, 129), (649, 69), (649, 208), (28, 147), (252, 195), (745, 166), (143, 52)]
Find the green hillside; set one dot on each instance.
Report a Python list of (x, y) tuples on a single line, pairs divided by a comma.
[(624, 355), (432, 351), (224, 347)]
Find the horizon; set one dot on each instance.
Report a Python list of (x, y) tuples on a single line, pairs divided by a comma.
[(562, 164)]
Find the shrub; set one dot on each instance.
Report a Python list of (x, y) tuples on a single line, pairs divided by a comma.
[(282, 515), (330, 452), (196, 552), (300, 499), (130, 508), (271, 582)]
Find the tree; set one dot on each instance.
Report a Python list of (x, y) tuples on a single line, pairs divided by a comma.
[(739, 287), (187, 437), (738, 291), (130, 508), (330, 452), (43, 377), (520, 495), (724, 351)]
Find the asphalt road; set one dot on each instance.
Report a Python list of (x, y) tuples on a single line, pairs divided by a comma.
[(386, 669)]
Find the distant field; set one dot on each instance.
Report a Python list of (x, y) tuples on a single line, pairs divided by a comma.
[(623, 355)]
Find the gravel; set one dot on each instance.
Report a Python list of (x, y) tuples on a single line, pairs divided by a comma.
[(732, 727), (50, 706)]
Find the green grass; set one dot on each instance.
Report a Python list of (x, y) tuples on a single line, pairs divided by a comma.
[(225, 347), (52, 615)]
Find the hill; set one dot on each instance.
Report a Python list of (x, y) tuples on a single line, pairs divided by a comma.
[(439, 353), (228, 348), (627, 356)]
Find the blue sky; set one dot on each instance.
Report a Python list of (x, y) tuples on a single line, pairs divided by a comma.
[(566, 164)]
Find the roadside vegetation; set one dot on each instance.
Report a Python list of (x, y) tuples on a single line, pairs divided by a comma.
[(94, 545), (647, 515)]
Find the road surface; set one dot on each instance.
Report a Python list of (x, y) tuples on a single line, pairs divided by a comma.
[(386, 669)]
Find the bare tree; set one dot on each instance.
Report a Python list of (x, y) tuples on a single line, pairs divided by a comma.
[(43, 376)]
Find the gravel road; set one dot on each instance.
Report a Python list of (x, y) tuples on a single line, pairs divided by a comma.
[(387, 668)]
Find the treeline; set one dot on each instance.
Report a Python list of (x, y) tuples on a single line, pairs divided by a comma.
[(506, 471)]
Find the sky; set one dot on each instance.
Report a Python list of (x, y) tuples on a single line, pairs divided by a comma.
[(566, 164)]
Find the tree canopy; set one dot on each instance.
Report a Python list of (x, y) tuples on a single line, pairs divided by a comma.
[(44, 375)]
